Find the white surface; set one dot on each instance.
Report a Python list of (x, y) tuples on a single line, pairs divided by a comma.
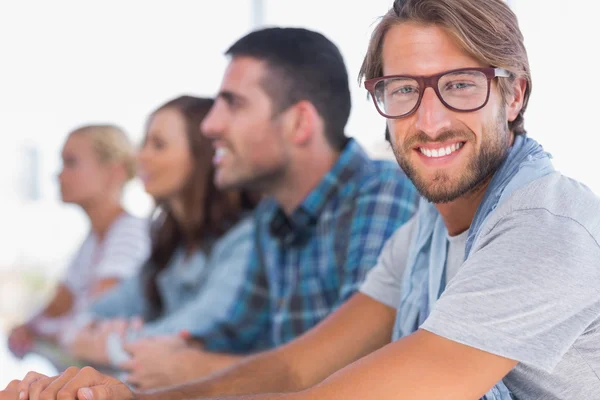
[(12, 368)]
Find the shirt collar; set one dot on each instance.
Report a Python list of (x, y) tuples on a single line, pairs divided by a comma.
[(293, 228)]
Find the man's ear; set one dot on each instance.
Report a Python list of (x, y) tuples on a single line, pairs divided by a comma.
[(305, 120), (516, 99)]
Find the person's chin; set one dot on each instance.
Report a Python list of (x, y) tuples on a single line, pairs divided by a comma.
[(223, 180), (225, 184), (67, 199)]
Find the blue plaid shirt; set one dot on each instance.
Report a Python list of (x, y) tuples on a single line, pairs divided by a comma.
[(308, 263)]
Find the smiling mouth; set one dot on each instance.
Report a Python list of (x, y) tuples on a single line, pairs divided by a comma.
[(441, 151)]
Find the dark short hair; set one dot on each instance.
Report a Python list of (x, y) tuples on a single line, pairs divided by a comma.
[(302, 65)]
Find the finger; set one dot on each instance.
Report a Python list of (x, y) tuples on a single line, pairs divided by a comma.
[(13, 386), (129, 365), (135, 379), (105, 326), (134, 347), (48, 388), (150, 382), (91, 384), (120, 326), (145, 383), (142, 378), (104, 392), (136, 323), (34, 390), (30, 378)]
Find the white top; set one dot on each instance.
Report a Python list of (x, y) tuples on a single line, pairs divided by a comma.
[(456, 254), (121, 253)]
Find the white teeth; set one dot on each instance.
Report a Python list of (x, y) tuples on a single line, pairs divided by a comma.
[(220, 151), (441, 152)]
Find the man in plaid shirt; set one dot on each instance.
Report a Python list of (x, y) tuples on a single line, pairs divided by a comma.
[(310, 261), (278, 127)]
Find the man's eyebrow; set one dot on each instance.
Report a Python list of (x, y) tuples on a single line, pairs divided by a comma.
[(230, 96)]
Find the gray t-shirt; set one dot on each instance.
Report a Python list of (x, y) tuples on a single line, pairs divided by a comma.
[(529, 291)]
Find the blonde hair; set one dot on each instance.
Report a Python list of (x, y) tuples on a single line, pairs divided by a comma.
[(486, 29), (111, 144)]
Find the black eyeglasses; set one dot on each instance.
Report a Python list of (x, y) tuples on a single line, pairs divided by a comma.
[(463, 90)]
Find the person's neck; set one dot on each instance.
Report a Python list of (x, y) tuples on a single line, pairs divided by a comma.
[(302, 178), (178, 211), (459, 214), (102, 214)]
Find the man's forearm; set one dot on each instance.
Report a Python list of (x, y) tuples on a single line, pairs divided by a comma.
[(192, 364), (264, 373)]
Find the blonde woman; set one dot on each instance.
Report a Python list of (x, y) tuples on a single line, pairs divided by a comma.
[(98, 160)]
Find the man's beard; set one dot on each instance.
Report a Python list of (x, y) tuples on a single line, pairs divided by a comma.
[(441, 189)]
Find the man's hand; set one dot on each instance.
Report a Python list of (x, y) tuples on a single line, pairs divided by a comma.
[(153, 363), (21, 341), (73, 384), (11, 392), (90, 342)]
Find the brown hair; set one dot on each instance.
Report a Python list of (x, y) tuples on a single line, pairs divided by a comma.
[(111, 145), (486, 29), (209, 212)]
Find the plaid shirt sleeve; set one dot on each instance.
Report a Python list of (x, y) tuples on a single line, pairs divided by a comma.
[(382, 207), (246, 324)]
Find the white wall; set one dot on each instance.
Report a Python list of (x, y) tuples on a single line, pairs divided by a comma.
[(562, 40), (68, 62)]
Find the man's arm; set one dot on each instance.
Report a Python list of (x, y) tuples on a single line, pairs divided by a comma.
[(190, 364), (304, 362), (159, 362), (422, 366)]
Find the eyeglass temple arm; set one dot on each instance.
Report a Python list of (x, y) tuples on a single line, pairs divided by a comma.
[(501, 72)]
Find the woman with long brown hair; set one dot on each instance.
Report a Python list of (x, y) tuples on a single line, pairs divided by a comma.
[(201, 240)]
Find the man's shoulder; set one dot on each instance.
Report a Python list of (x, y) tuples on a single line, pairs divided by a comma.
[(557, 196)]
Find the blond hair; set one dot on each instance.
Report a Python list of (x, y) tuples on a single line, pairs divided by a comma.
[(486, 29), (111, 145)]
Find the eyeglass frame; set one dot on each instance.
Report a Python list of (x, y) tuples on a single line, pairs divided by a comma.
[(432, 81)]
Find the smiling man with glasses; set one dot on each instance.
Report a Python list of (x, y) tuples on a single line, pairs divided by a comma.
[(493, 288)]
